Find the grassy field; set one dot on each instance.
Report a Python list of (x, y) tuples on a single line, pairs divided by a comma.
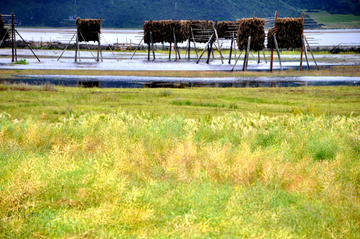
[(54, 103), (335, 20), (179, 163)]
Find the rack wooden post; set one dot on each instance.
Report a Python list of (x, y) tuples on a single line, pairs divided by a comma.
[(98, 49), (87, 45), (192, 34), (210, 48), (101, 55), (302, 46), (109, 49), (189, 47), (66, 47), (77, 46), (12, 38), (312, 54), (175, 45), (207, 44), (272, 47), (139, 45), (278, 52), (246, 59), (27, 46), (152, 45), (244, 63), (16, 57), (178, 51), (2, 40), (237, 60), (253, 56), (219, 47), (264, 56), (235, 43), (306, 55), (99, 45), (170, 51), (231, 46), (149, 47)]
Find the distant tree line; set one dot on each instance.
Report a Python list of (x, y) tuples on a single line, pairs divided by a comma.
[(132, 14)]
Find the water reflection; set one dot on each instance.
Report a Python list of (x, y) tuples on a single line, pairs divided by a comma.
[(178, 82)]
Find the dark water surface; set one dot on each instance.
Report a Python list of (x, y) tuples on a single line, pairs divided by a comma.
[(181, 82)]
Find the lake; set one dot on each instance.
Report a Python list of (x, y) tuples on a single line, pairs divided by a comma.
[(344, 37)]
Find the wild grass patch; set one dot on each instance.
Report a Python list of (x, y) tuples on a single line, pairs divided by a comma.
[(111, 163), (203, 104), (136, 175), (6, 86), (21, 62)]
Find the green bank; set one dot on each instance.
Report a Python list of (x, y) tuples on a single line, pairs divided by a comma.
[(50, 103)]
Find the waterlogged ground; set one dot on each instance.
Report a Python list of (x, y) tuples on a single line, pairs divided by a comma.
[(141, 72), (121, 61)]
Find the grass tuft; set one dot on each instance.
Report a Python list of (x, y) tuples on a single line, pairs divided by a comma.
[(21, 62), (26, 87), (165, 93)]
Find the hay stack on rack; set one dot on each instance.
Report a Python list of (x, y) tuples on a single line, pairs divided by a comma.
[(89, 29), (162, 31), (225, 29), (202, 30), (182, 30), (253, 27), (288, 33), (157, 29), (3, 31)]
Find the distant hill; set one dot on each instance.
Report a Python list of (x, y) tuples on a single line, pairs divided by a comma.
[(132, 14)]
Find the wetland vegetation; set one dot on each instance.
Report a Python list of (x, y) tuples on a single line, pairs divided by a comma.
[(132, 163)]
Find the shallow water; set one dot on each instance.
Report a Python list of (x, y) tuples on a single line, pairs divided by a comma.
[(140, 63), (181, 82)]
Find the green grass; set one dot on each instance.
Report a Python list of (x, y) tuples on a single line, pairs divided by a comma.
[(135, 175), (21, 62), (54, 103), (335, 20), (132, 163)]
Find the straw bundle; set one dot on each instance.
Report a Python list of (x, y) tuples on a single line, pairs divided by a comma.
[(162, 31), (288, 33), (225, 29), (3, 30), (253, 27), (89, 29)]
